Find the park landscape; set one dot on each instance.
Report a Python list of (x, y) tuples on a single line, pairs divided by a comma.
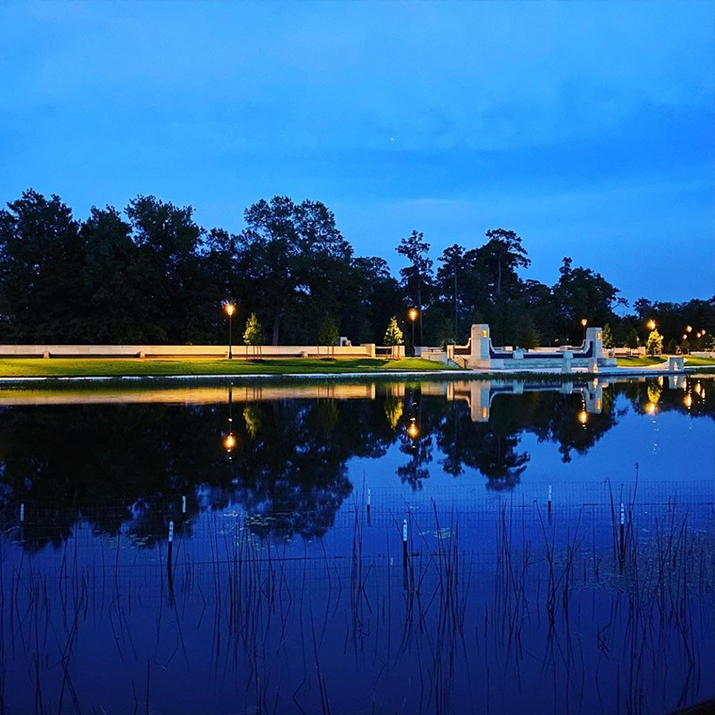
[(349, 364)]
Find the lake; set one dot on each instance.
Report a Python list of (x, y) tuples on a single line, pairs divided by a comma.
[(358, 547)]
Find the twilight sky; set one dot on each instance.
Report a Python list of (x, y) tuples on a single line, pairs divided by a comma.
[(587, 127)]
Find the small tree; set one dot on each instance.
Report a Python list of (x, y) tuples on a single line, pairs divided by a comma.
[(672, 347), (253, 334), (608, 341), (393, 334), (328, 334), (654, 345), (685, 348), (446, 333), (632, 338)]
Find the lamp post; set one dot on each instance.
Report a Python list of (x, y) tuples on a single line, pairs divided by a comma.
[(230, 309), (584, 322), (413, 313), (651, 325)]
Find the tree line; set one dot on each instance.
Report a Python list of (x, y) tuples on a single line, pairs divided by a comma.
[(151, 274)]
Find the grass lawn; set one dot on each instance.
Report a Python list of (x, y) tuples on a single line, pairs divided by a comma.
[(639, 361), (648, 361), (131, 367), (699, 362)]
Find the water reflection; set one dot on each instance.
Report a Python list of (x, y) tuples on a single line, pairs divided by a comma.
[(281, 453)]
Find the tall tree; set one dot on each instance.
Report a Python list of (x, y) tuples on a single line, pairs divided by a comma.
[(503, 254), (41, 259), (419, 272), (291, 250), (115, 309), (452, 260), (582, 293), (168, 240)]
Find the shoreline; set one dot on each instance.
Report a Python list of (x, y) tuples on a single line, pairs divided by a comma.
[(377, 375)]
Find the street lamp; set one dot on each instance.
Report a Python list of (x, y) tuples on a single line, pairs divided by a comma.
[(230, 309), (651, 325), (412, 315), (584, 322), (688, 328)]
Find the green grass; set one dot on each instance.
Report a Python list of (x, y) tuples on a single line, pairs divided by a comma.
[(699, 361), (639, 361), (649, 361), (133, 367)]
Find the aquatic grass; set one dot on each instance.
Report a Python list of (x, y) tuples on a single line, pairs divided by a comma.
[(272, 610)]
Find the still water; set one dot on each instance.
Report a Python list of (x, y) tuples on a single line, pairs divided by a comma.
[(427, 547)]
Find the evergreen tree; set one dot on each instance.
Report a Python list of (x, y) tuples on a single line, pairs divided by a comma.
[(607, 336), (393, 334), (253, 334), (654, 345), (329, 332)]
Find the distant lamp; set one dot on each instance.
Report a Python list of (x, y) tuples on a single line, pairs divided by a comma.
[(688, 328), (688, 401), (650, 408), (583, 417), (685, 336), (651, 324)]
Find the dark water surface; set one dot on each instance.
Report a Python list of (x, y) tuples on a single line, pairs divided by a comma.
[(282, 593)]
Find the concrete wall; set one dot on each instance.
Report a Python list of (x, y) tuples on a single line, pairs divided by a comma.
[(215, 351)]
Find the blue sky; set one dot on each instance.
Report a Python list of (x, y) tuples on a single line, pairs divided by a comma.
[(587, 127)]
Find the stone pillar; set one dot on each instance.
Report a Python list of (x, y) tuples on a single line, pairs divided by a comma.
[(566, 362), (481, 339), (595, 336)]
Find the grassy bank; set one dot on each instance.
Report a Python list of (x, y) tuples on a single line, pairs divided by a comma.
[(650, 361), (132, 367)]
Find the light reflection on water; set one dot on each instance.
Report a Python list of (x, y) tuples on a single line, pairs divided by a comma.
[(282, 593)]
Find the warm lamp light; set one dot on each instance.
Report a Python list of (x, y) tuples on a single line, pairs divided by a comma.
[(413, 430), (651, 324), (229, 442), (412, 314), (583, 417)]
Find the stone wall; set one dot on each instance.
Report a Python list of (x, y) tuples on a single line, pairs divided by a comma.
[(159, 351)]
